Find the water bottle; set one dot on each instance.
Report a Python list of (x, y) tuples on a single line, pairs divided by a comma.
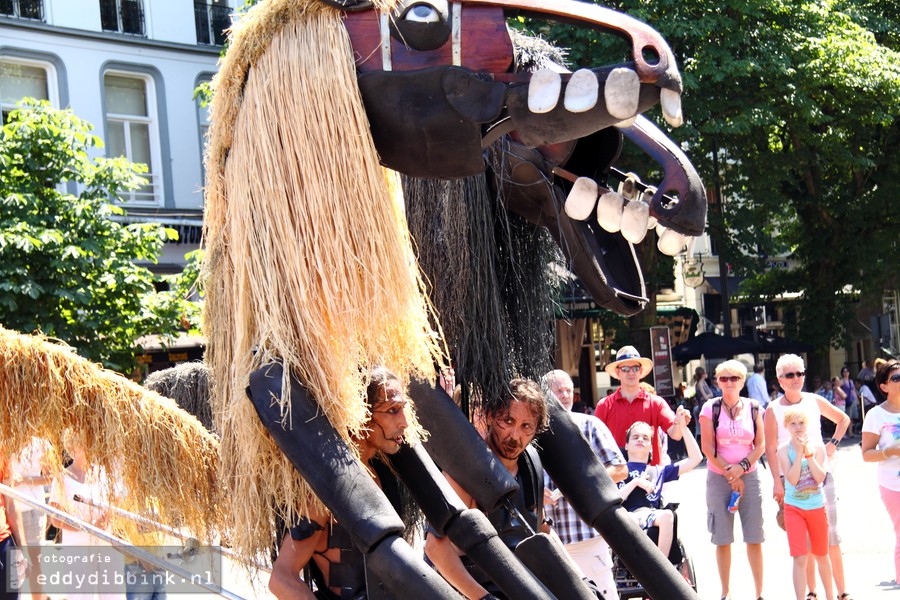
[(734, 502)]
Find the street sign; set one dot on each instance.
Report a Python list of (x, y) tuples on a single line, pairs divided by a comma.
[(662, 361)]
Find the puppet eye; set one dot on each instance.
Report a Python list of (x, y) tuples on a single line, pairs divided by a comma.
[(422, 13), (422, 26)]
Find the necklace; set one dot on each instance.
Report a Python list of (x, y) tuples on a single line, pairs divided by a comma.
[(799, 400), (733, 410)]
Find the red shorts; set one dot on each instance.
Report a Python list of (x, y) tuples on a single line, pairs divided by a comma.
[(801, 523)]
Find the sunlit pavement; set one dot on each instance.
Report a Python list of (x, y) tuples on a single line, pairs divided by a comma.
[(868, 537)]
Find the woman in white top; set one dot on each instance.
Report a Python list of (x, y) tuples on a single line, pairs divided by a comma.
[(881, 444), (791, 374)]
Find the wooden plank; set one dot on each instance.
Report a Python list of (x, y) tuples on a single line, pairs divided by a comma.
[(486, 47)]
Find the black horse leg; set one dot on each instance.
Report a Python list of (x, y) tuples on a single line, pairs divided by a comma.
[(583, 480), (326, 463), (457, 447), (468, 529)]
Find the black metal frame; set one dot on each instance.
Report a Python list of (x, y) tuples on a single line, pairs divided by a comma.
[(211, 21), (122, 16), (32, 10)]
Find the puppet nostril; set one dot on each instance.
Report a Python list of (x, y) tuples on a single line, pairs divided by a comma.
[(650, 55)]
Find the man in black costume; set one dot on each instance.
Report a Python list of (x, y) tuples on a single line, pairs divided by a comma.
[(512, 426), (335, 564)]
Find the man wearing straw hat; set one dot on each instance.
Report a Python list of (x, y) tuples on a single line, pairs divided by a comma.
[(321, 544), (631, 403)]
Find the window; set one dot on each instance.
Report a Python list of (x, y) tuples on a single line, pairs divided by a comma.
[(21, 78), (131, 129), (23, 9), (122, 16), (211, 19), (203, 120)]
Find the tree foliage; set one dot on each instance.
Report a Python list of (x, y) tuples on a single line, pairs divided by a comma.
[(69, 267), (801, 102)]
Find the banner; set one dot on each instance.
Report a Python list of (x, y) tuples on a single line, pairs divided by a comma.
[(662, 361)]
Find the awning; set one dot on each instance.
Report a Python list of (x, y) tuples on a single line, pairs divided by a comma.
[(712, 345), (733, 283), (681, 320)]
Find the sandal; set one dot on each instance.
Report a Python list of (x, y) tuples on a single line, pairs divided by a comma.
[(811, 596), (845, 596)]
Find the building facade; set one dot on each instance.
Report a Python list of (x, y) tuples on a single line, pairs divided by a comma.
[(130, 68)]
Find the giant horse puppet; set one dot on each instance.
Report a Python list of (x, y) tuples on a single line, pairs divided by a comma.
[(313, 278)]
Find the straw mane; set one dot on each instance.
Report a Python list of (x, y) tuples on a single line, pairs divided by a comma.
[(309, 260), (188, 385), (163, 457)]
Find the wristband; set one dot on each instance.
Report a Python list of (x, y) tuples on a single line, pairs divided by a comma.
[(834, 441), (810, 455), (745, 464)]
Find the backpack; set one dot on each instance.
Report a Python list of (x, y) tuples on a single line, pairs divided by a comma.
[(533, 482), (717, 410)]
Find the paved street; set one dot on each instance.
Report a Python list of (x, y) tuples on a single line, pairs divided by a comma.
[(868, 538), (865, 527)]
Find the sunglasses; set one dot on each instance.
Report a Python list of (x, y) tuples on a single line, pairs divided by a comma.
[(895, 378), (629, 369), (792, 375), (729, 378)]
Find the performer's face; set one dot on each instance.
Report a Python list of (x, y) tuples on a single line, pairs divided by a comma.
[(389, 419), (510, 432)]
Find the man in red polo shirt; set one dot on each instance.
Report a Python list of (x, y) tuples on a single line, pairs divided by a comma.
[(631, 403)]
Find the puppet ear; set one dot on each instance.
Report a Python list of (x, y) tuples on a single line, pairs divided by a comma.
[(350, 5), (427, 123)]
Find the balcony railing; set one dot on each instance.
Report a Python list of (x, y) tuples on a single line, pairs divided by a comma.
[(122, 16), (32, 10), (211, 22)]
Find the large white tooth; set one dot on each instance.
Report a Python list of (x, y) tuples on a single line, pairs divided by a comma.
[(671, 242), (647, 198), (628, 187), (609, 211), (621, 92), (634, 221), (670, 101), (543, 91), (582, 199), (581, 91)]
